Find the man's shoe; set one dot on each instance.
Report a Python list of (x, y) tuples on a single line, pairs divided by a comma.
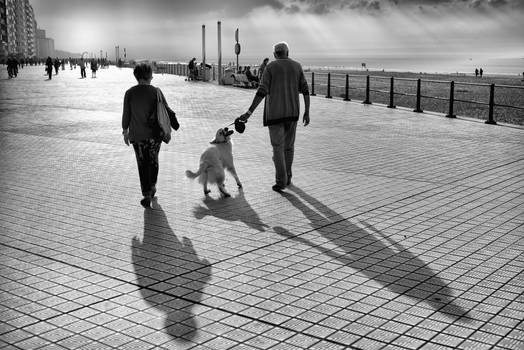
[(278, 188)]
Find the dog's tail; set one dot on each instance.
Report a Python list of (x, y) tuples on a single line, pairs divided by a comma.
[(193, 175)]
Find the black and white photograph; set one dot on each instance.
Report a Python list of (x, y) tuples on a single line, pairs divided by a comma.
[(262, 174)]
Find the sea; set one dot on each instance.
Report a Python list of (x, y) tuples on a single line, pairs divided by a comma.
[(420, 63), (415, 63)]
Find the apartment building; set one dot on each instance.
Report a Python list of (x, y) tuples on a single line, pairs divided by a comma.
[(18, 30)]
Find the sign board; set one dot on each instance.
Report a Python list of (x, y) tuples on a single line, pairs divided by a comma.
[(236, 35), (237, 49)]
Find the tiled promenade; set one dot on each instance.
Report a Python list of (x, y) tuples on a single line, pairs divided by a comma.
[(402, 230)]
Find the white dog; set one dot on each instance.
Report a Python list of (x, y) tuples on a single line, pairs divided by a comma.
[(213, 162)]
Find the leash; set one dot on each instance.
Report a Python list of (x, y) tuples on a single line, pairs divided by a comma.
[(240, 125)]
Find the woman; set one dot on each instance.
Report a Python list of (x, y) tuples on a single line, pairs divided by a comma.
[(139, 105), (262, 68)]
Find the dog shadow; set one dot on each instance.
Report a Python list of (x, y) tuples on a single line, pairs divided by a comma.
[(372, 253), (231, 209), (170, 274)]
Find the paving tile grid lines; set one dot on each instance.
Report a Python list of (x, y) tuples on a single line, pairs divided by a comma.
[(401, 231)]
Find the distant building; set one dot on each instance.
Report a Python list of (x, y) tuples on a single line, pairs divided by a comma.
[(44, 46), (18, 29)]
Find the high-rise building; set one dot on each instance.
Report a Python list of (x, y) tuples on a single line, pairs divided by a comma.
[(18, 29), (31, 30), (3, 28)]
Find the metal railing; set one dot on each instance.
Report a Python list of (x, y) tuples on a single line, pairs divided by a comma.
[(405, 92), (362, 86)]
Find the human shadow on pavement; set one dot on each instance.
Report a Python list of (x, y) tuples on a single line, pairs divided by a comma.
[(374, 254), (231, 209), (170, 274)]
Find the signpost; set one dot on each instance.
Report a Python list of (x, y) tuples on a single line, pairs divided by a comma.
[(237, 46)]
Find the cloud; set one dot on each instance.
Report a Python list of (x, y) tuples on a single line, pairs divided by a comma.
[(323, 7)]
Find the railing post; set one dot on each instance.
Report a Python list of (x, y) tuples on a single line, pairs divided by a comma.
[(347, 89), (451, 100), (418, 109), (491, 105), (329, 86), (367, 101), (313, 84), (214, 72), (391, 94)]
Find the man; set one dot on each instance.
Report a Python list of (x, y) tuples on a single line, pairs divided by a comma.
[(282, 81)]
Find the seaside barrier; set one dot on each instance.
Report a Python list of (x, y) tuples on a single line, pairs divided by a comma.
[(412, 92), (441, 96)]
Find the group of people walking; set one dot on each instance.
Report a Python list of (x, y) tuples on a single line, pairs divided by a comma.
[(281, 83), (56, 63)]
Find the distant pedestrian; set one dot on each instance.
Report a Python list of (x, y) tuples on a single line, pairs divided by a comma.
[(262, 67), (140, 103), (49, 67), (82, 65), (192, 70), (250, 77), (476, 72), (481, 71), (12, 67), (57, 65), (94, 68), (282, 81)]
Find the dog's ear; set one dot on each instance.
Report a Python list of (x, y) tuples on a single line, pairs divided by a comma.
[(214, 141)]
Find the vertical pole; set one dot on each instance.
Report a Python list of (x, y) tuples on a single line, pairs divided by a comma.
[(367, 101), (203, 52), (313, 84), (392, 93), (417, 109), (451, 100), (328, 95), (347, 89), (219, 31), (237, 48), (491, 105)]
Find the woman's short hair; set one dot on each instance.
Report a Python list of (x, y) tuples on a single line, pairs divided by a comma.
[(143, 72)]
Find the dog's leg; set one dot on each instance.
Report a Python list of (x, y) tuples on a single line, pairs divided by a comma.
[(222, 189), (233, 172), (204, 181)]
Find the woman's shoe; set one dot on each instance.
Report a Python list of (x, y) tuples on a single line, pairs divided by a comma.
[(146, 202)]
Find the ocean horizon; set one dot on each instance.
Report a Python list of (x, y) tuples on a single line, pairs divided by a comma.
[(417, 63)]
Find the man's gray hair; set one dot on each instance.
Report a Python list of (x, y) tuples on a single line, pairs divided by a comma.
[(281, 48)]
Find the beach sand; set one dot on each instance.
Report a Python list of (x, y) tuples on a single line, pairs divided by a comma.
[(471, 93)]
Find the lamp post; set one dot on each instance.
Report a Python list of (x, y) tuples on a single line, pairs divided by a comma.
[(219, 31), (204, 52)]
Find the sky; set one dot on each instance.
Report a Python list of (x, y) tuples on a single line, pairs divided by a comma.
[(314, 29)]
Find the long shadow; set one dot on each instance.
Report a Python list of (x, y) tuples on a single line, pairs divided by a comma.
[(380, 258), (231, 209), (170, 273)]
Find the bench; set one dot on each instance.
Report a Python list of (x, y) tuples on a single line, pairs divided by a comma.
[(241, 80)]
